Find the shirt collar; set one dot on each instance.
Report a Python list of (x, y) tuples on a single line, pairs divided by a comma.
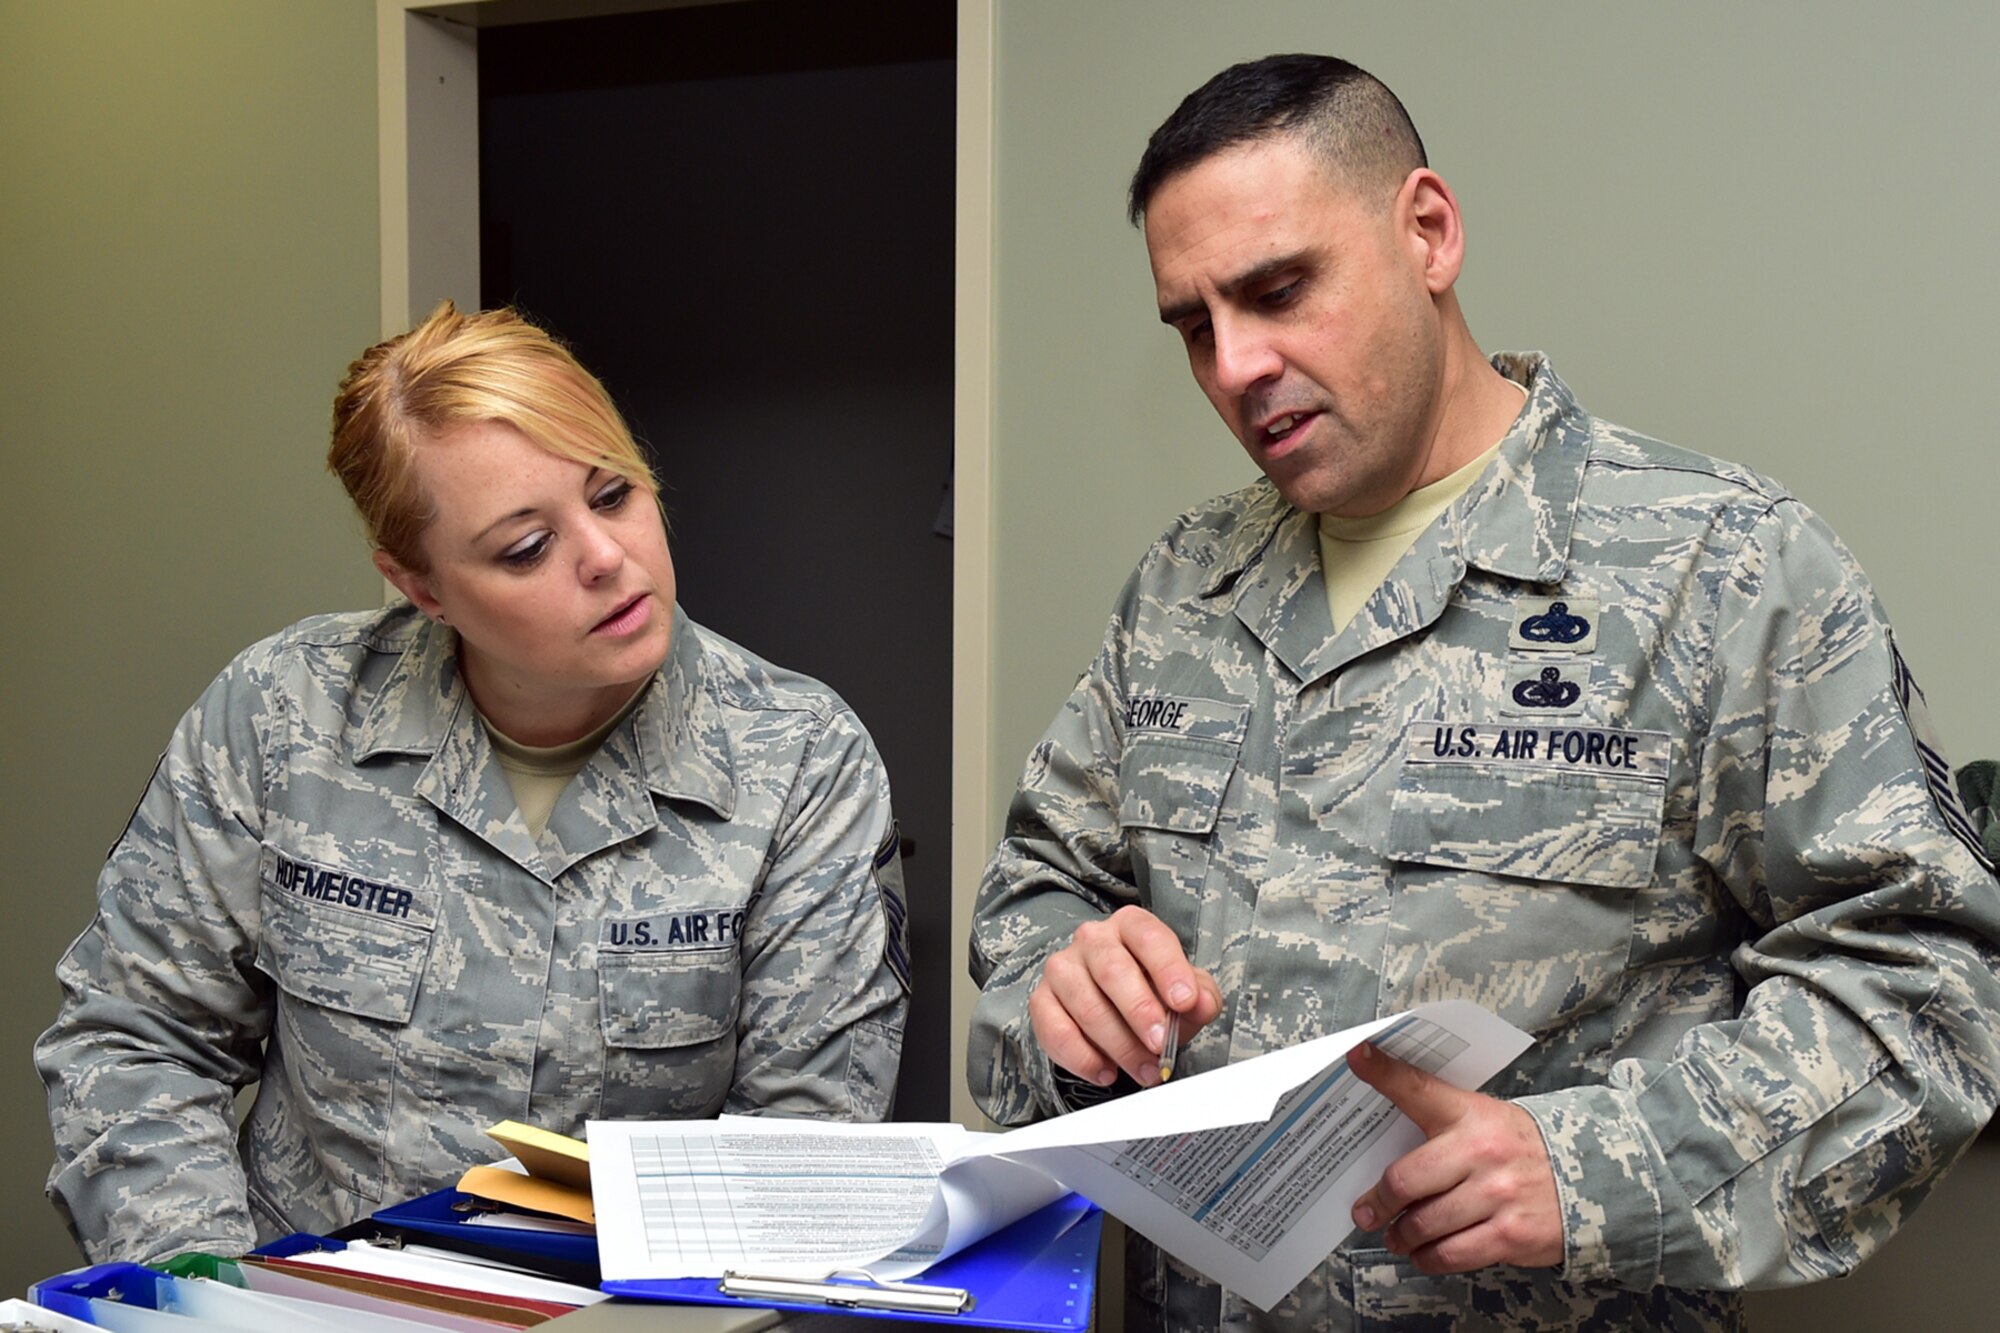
[(1515, 521), (677, 740)]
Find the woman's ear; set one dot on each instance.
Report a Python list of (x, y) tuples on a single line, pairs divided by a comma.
[(412, 585)]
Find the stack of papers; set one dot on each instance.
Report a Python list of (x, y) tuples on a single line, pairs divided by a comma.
[(1246, 1173)]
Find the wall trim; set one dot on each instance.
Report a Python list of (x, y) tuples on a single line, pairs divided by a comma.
[(974, 826)]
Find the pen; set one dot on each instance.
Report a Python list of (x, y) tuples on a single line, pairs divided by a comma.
[(1171, 1047)]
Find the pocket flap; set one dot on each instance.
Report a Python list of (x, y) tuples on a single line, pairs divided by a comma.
[(364, 963), (1173, 783), (1578, 805), (667, 997)]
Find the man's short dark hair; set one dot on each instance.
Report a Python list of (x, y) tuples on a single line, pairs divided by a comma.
[(1344, 114)]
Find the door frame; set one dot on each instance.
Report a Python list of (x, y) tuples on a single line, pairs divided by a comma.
[(427, 102)]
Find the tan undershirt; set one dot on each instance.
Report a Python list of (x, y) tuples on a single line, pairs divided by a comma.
[(1356, 554), (539, 773)]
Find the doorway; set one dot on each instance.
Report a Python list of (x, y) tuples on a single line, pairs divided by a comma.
[(741, 217)]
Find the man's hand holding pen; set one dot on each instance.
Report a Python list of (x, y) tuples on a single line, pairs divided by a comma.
[(1106, 1000)]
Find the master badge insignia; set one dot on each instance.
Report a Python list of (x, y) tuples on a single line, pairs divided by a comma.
[(1554, 624), (1551, 691)]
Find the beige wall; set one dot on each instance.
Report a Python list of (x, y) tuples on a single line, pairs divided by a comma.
[(1768, 244), (1754, 236), (187, 264), (1763, 232)]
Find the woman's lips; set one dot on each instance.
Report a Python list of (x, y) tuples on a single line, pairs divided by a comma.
[(627, 618)]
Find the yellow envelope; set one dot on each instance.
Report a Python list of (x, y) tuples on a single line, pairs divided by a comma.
[(558, 1179)]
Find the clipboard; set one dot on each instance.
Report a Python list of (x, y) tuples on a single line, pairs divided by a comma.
[(1038, 1274)]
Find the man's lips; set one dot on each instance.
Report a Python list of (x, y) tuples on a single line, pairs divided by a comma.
[(1278, 431)]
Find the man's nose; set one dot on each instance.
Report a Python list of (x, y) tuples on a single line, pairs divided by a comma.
[(1243, 357)]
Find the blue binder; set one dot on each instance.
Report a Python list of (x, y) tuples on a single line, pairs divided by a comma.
[(70, 1293), (134, 1284), (441, 1214), (1040, 1274)]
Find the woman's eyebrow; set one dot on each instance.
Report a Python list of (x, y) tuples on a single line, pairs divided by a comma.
[(504, 518)]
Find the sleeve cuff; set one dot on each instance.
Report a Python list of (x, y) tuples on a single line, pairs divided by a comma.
[(1073, 1093), (1608, 1174)]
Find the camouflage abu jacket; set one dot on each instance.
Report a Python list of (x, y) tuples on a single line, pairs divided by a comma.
[(1622, 750), (328, 891)]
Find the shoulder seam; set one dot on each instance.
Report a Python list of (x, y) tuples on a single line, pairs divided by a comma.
[(1722, 586)]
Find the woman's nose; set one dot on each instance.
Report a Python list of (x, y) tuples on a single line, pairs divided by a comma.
[(601, 554)]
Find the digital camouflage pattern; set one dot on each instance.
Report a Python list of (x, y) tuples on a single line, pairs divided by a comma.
[(1618, 752), (328, 887)]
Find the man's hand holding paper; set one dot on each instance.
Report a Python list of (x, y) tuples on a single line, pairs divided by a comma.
[(1478, 1191)]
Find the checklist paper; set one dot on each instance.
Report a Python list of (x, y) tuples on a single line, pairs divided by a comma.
[(1246, 1173)]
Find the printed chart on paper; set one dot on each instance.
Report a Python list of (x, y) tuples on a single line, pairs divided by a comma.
[(708, 1201), (1249, 1184)]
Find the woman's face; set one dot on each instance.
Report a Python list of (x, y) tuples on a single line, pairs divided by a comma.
[(555, 575)]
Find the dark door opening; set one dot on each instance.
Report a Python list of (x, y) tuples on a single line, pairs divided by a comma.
[(741, 217)]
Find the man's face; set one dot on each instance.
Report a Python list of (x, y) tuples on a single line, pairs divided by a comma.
[(1307, 319)]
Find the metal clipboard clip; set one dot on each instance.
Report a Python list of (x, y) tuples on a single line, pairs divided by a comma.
[(865, 1292)]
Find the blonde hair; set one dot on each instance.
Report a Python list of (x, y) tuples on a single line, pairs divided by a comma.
[(451, 369)]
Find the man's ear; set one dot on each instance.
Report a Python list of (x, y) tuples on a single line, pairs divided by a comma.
[(412, 585), (1430, 221)]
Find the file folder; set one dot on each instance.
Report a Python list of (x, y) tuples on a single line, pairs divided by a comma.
[(71, 1293), (1038, 1274), (135, 1284)]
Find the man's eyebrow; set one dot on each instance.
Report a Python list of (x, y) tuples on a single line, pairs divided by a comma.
[(1250, 277)]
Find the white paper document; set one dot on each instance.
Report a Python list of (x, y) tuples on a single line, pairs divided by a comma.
[(1246, 1173)]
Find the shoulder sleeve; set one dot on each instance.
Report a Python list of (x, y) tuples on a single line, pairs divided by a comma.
[(164, 1013), (1788, 1144), (826, 973), (1063, 860)]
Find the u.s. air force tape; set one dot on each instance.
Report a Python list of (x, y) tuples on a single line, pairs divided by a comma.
[(702, 928), (1606, 751)]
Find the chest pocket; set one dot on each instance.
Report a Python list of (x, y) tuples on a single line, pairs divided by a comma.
[(1179, 756), (667, 998), (669, 1018), (341, 941), (1172, 777), (1576, 805), (1518, 880)]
